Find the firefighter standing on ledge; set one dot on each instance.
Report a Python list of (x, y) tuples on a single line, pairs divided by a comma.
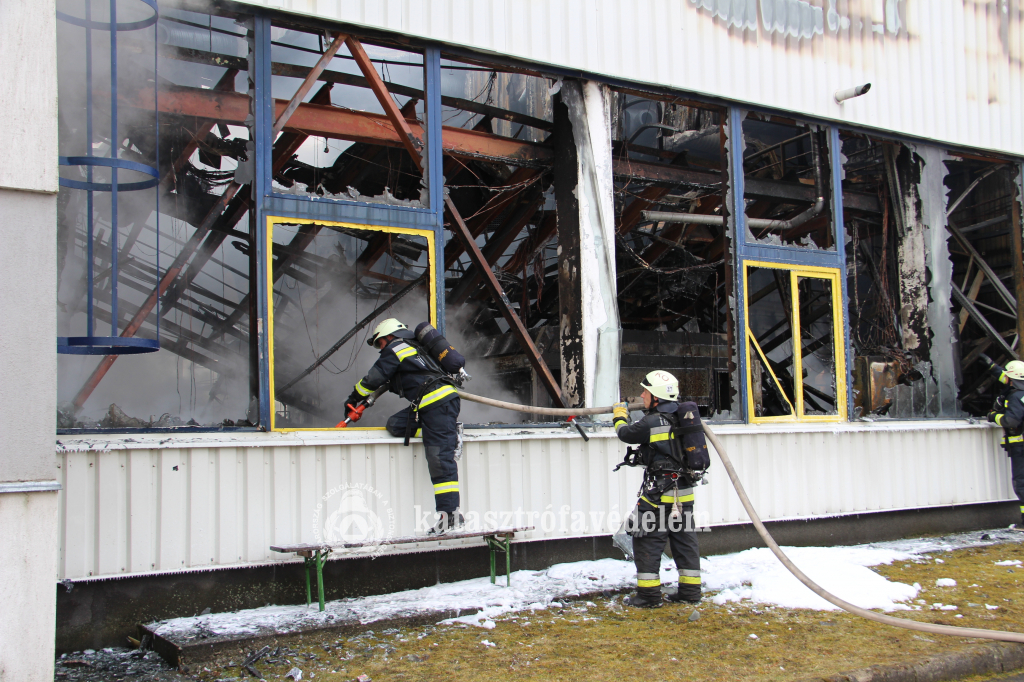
[(1008, 412), (433, 412), (665, 487)]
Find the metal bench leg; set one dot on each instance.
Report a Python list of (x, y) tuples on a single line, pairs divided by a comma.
[(508, 561), (320, 561), (495, 545), (309, 594), (490, 545)]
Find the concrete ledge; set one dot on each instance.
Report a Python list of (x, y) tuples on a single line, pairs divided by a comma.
[(98, 613), (981, 659), (30, 487), (182, 654)]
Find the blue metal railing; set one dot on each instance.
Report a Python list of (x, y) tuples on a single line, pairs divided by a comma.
[(115, 344)]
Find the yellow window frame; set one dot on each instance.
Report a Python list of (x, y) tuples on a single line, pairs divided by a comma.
[(839, 343), (279, 220)]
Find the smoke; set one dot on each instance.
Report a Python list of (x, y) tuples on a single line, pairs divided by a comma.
[(311, 315), (486, 375), (202, 376), (193, 378)]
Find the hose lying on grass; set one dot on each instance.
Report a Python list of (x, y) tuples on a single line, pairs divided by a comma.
[(763, 532)]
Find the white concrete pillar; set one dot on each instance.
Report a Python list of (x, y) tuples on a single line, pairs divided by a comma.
[(28, 346)]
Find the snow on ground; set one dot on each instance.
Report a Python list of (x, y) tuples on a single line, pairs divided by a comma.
[(529, 590), (758, 576), (754, 574)]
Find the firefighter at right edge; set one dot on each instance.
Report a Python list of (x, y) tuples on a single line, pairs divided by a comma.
[(1009, 414), (654, 525)]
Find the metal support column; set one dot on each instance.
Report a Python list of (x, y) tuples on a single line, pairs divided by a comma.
[(570, 282), (1017, 241), (264, 120), (738, 236), (836, 164), (435, 173)]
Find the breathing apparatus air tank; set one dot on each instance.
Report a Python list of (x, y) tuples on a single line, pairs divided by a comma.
[(450, 359)]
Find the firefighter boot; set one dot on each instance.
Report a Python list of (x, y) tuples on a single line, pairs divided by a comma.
[(645, 598), (448, 522), (681, 597)]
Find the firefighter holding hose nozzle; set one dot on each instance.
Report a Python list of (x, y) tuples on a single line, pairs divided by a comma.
[(425, 370), (1008, 412), (675, 456)]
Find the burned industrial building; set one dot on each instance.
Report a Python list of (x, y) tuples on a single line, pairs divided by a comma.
[(810, 218), (519, 178)]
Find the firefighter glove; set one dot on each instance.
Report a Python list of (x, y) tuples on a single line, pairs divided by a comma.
[(994, 417), (620, 411), (353, 398)]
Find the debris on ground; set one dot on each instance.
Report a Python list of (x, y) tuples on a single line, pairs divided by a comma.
[(114, 663)]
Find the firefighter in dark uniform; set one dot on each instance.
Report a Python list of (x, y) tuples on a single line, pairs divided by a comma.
[(664, 489), (1008, 412), (411, 373)]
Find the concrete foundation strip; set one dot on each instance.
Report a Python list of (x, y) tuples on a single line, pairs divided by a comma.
[(774, 547), (980, 659)]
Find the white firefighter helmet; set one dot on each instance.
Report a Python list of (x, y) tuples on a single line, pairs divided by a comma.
[(661, 384), (388, 326), (1015, 370)]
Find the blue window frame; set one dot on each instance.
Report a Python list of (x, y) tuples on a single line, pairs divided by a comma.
[(747, 250), (277, 205)]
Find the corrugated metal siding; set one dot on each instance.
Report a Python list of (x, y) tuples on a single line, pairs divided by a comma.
[(140, 507), (950, 70)]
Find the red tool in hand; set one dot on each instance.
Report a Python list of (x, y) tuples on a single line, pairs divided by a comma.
[(355, 412)]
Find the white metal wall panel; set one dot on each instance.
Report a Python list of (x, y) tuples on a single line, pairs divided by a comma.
[(949, 70), (131, 506)]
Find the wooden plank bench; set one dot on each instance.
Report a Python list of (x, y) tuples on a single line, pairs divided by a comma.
[(315, 555)]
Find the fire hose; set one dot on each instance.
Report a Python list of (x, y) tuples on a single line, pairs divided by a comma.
[(933, 628)]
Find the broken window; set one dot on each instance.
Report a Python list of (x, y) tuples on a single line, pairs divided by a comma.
[(896, 266), (498, 162), (984, 212), (327, 299), (672, 249), (509, 103), (789, 309), (192, 275), (787, 183), (340, 144)]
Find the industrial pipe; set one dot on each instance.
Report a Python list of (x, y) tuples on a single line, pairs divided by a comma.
[(692, 218), (970, 188), (850, 93), (758, 223), (932, 628)]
